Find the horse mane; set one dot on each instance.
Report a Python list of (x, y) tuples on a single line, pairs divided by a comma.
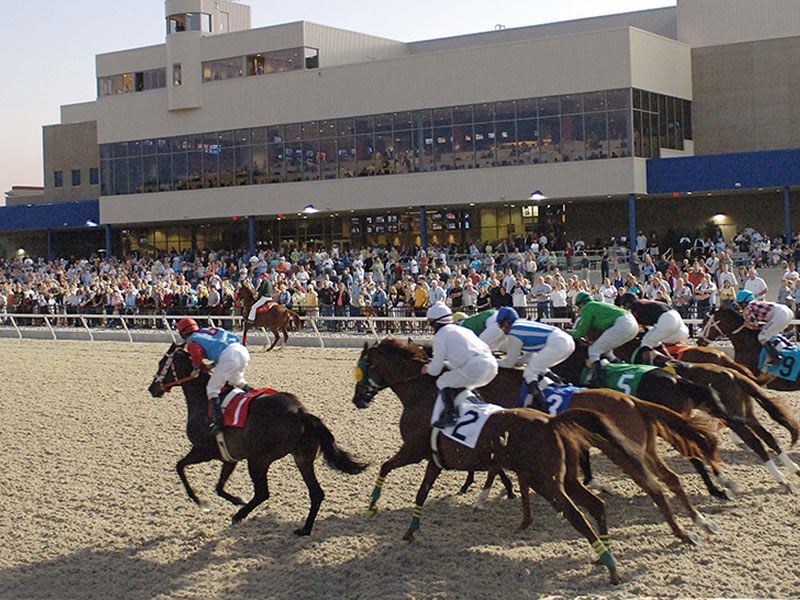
[(409, 351)]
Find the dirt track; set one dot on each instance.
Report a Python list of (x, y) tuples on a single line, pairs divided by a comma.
[(91, 506)]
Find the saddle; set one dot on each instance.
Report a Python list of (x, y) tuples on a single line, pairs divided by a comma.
[(264, 308), (235, 404)]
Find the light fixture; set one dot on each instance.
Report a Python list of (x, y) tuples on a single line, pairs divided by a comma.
[(537, 196), (310, 210), (91, 223)]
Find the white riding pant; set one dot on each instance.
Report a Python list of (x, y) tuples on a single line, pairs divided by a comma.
[(230, 367), (256, 305), (558, 347), (780, 317), (669, 329), (477, 372), (624, 329)]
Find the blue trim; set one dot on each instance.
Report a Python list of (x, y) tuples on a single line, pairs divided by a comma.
[(771, 168), (423, 228), (632, 226), (55, 215), (251, 224), (109, 241)]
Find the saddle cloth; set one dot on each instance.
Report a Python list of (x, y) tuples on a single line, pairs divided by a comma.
[(236, 404), (677, 350), (559, 397), (472, 416), (622, 377), (265, 307), (789, 367)]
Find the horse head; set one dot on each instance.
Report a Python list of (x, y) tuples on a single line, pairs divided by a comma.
[(174, 368), (383, 365), (720, 322)]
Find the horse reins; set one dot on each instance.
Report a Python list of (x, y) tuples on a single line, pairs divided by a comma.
[(712, 324), (170, 366)]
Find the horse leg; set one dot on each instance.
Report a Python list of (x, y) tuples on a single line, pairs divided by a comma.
[(588, 479), (244, 333), (487, 486), (407, 455), (770, 441), (275, 341), (431, 473), (305, 463), (467, 482), (549, 486), (582, 495), (713, 490), (285, 334), (197, 455), (257, 466), (225, 472), (749, 438), (507, 484)]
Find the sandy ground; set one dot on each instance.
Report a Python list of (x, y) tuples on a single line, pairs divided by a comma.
[(91, 506)]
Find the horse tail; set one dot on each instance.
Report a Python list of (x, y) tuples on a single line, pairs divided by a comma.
[(703, 395), (334, 455), (775, 407), (692, 437), (295, 318), (581, 428)]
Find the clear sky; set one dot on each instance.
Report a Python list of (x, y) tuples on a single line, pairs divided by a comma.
[(50, 46)]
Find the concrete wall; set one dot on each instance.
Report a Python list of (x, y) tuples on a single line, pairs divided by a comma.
[(714, 22), (68, 147), (745, 96)]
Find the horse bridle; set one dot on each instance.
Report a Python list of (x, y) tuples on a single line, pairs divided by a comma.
[(169, 365), (712, 324), (371, 381)]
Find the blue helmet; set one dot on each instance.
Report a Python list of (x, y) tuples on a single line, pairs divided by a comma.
[(745, 296), (507, 314)]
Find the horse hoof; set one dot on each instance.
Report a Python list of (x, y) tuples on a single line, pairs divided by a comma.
[(408, 537), (711, 527), (372, 511), (302, 531), (789, 487), (694, 538), (615, 578)]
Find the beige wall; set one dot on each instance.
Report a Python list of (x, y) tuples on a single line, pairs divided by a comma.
[(68, 147), (503, 184), (713, 22), (746, 96)]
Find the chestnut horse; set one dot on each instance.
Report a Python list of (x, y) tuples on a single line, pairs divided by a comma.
[(277, 319), (542, 451), (277, 425)]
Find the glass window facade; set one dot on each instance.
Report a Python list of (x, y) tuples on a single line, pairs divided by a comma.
[(263, 63), (595, 125), (128, 83)]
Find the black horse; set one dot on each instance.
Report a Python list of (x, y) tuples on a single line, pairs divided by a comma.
[(277, 425)]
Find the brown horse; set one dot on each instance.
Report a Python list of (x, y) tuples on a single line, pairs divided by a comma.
[(396, 365), (277, 425), (729, 322), (277, 319), (737, 392)]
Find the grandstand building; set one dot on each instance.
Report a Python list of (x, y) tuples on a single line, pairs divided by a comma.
[(303, 134)]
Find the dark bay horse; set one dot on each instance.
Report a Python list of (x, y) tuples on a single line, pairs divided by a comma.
[(737, 392), (277, 319), (277, 425), (543, 451), (729, 322)]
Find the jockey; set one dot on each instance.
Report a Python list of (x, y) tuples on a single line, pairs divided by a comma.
[(480, 323), (469, 360), (264, 295), (540, 345), (227, 355), (618, 327), (768, 318), (666, 325)]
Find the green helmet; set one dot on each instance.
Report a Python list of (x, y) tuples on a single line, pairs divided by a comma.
[(582, 298)]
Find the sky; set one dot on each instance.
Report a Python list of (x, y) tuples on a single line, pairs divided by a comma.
[(50, 47)]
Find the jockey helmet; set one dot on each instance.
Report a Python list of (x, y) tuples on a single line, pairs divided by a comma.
[(627, 299), (439, 314), (507, 314), (187, 327), (745, 296), (458, 317), (582, 298)]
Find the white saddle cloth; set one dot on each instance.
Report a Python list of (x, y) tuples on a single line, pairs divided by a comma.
[(472, 416)]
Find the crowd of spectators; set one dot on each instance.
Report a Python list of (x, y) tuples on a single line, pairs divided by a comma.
[(396, 282)]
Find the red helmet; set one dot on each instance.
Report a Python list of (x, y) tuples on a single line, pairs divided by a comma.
[(187, 327)]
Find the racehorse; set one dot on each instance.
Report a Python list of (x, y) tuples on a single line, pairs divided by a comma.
[(662, 387), (393, 364), (728, 322), (277, 319), (277, 425), (736, 392)]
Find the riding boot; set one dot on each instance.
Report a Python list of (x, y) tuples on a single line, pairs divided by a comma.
[(216, 416), (537, 400), (247, 388), (598, 378), (448, 416), (773, 356)]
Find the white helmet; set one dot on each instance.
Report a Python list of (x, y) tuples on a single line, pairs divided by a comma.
[(440, 314)]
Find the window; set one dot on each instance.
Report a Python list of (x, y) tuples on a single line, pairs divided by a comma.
[(312, 58), (76, 177), (94, 176), (189, 22), (177, 77), (58, 178)]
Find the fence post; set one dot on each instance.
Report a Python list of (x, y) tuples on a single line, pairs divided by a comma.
[(372, 327), (166, 324), (52, 332), (319, 337), (86, 326), (14, 323), (123, 318)]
